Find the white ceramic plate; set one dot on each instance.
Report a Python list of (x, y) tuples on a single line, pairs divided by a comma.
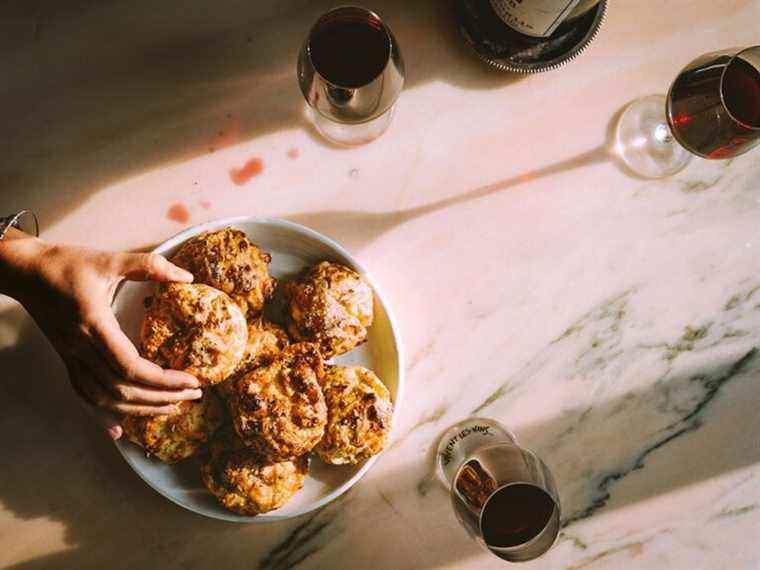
[(293, 247)]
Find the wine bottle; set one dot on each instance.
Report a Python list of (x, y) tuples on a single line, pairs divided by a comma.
[(540, 18), (529, 36)]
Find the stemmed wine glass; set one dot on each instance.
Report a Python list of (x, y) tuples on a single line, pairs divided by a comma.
[(712, 110), (503, 494), (351, 73)]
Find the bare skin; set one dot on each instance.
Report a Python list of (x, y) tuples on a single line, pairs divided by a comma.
[(68, 291)]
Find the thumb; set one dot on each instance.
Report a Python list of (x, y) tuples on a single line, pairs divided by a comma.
[(152, 267)]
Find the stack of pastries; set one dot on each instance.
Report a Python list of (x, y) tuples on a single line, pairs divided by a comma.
[(270, 400)]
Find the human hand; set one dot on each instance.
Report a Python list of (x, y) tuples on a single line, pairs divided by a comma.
[(68, 291)]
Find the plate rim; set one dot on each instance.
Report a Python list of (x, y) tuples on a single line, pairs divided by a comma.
[(395, 331)]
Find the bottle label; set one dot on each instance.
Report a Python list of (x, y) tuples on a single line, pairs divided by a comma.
[(538, 18)]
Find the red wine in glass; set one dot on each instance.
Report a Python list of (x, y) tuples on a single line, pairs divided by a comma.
[(714, 105), (350, 51), (515, 515)]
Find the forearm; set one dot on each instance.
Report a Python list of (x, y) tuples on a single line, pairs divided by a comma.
[(19, 254)]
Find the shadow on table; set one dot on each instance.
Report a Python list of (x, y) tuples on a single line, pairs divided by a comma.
[(94, 92), (58, 468), (356, 230)]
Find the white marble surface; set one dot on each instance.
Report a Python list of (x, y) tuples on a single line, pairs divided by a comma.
[(611, 322)]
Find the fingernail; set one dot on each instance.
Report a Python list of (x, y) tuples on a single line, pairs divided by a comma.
[(197, 394), (183, 275), (190, 380), (115, 432), (187, 380)]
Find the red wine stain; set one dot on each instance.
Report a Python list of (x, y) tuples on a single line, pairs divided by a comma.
[(205, 204), (293, 153), (228, 134), (252, 168), (178, 213)]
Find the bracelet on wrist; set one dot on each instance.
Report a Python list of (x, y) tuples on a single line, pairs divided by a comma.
[(24, 220)]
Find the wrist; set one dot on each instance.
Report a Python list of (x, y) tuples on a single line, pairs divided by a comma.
[(15, 234), (20, 255)]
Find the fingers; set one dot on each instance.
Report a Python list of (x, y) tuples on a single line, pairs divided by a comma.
[(87, 386), (131, 392), (108, 420), (124, 359), (151, 267), (145, 395)]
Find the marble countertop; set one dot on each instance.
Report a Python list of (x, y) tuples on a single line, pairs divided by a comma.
[(611, 322)]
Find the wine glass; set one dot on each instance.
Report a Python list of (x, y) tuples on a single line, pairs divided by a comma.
[(712, 110), (503, 494), (351, 73)]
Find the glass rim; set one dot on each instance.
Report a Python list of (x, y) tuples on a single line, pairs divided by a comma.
[(356, 9), (557, 512), (731, 61)]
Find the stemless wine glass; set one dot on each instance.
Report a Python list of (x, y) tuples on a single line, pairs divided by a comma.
[(503, 494), (712, 110), (351, 73)]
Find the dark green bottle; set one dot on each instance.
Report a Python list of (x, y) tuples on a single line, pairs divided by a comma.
[(529, 36)]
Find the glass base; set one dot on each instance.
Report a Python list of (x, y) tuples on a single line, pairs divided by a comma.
[(462, 439), (352, 134), (644, 142)]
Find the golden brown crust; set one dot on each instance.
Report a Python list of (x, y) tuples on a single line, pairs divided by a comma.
[(359, 412), (265, 341), (246, 483), (331, 305), (194, 328), (279, 408), (176, 437), (228, 261)]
